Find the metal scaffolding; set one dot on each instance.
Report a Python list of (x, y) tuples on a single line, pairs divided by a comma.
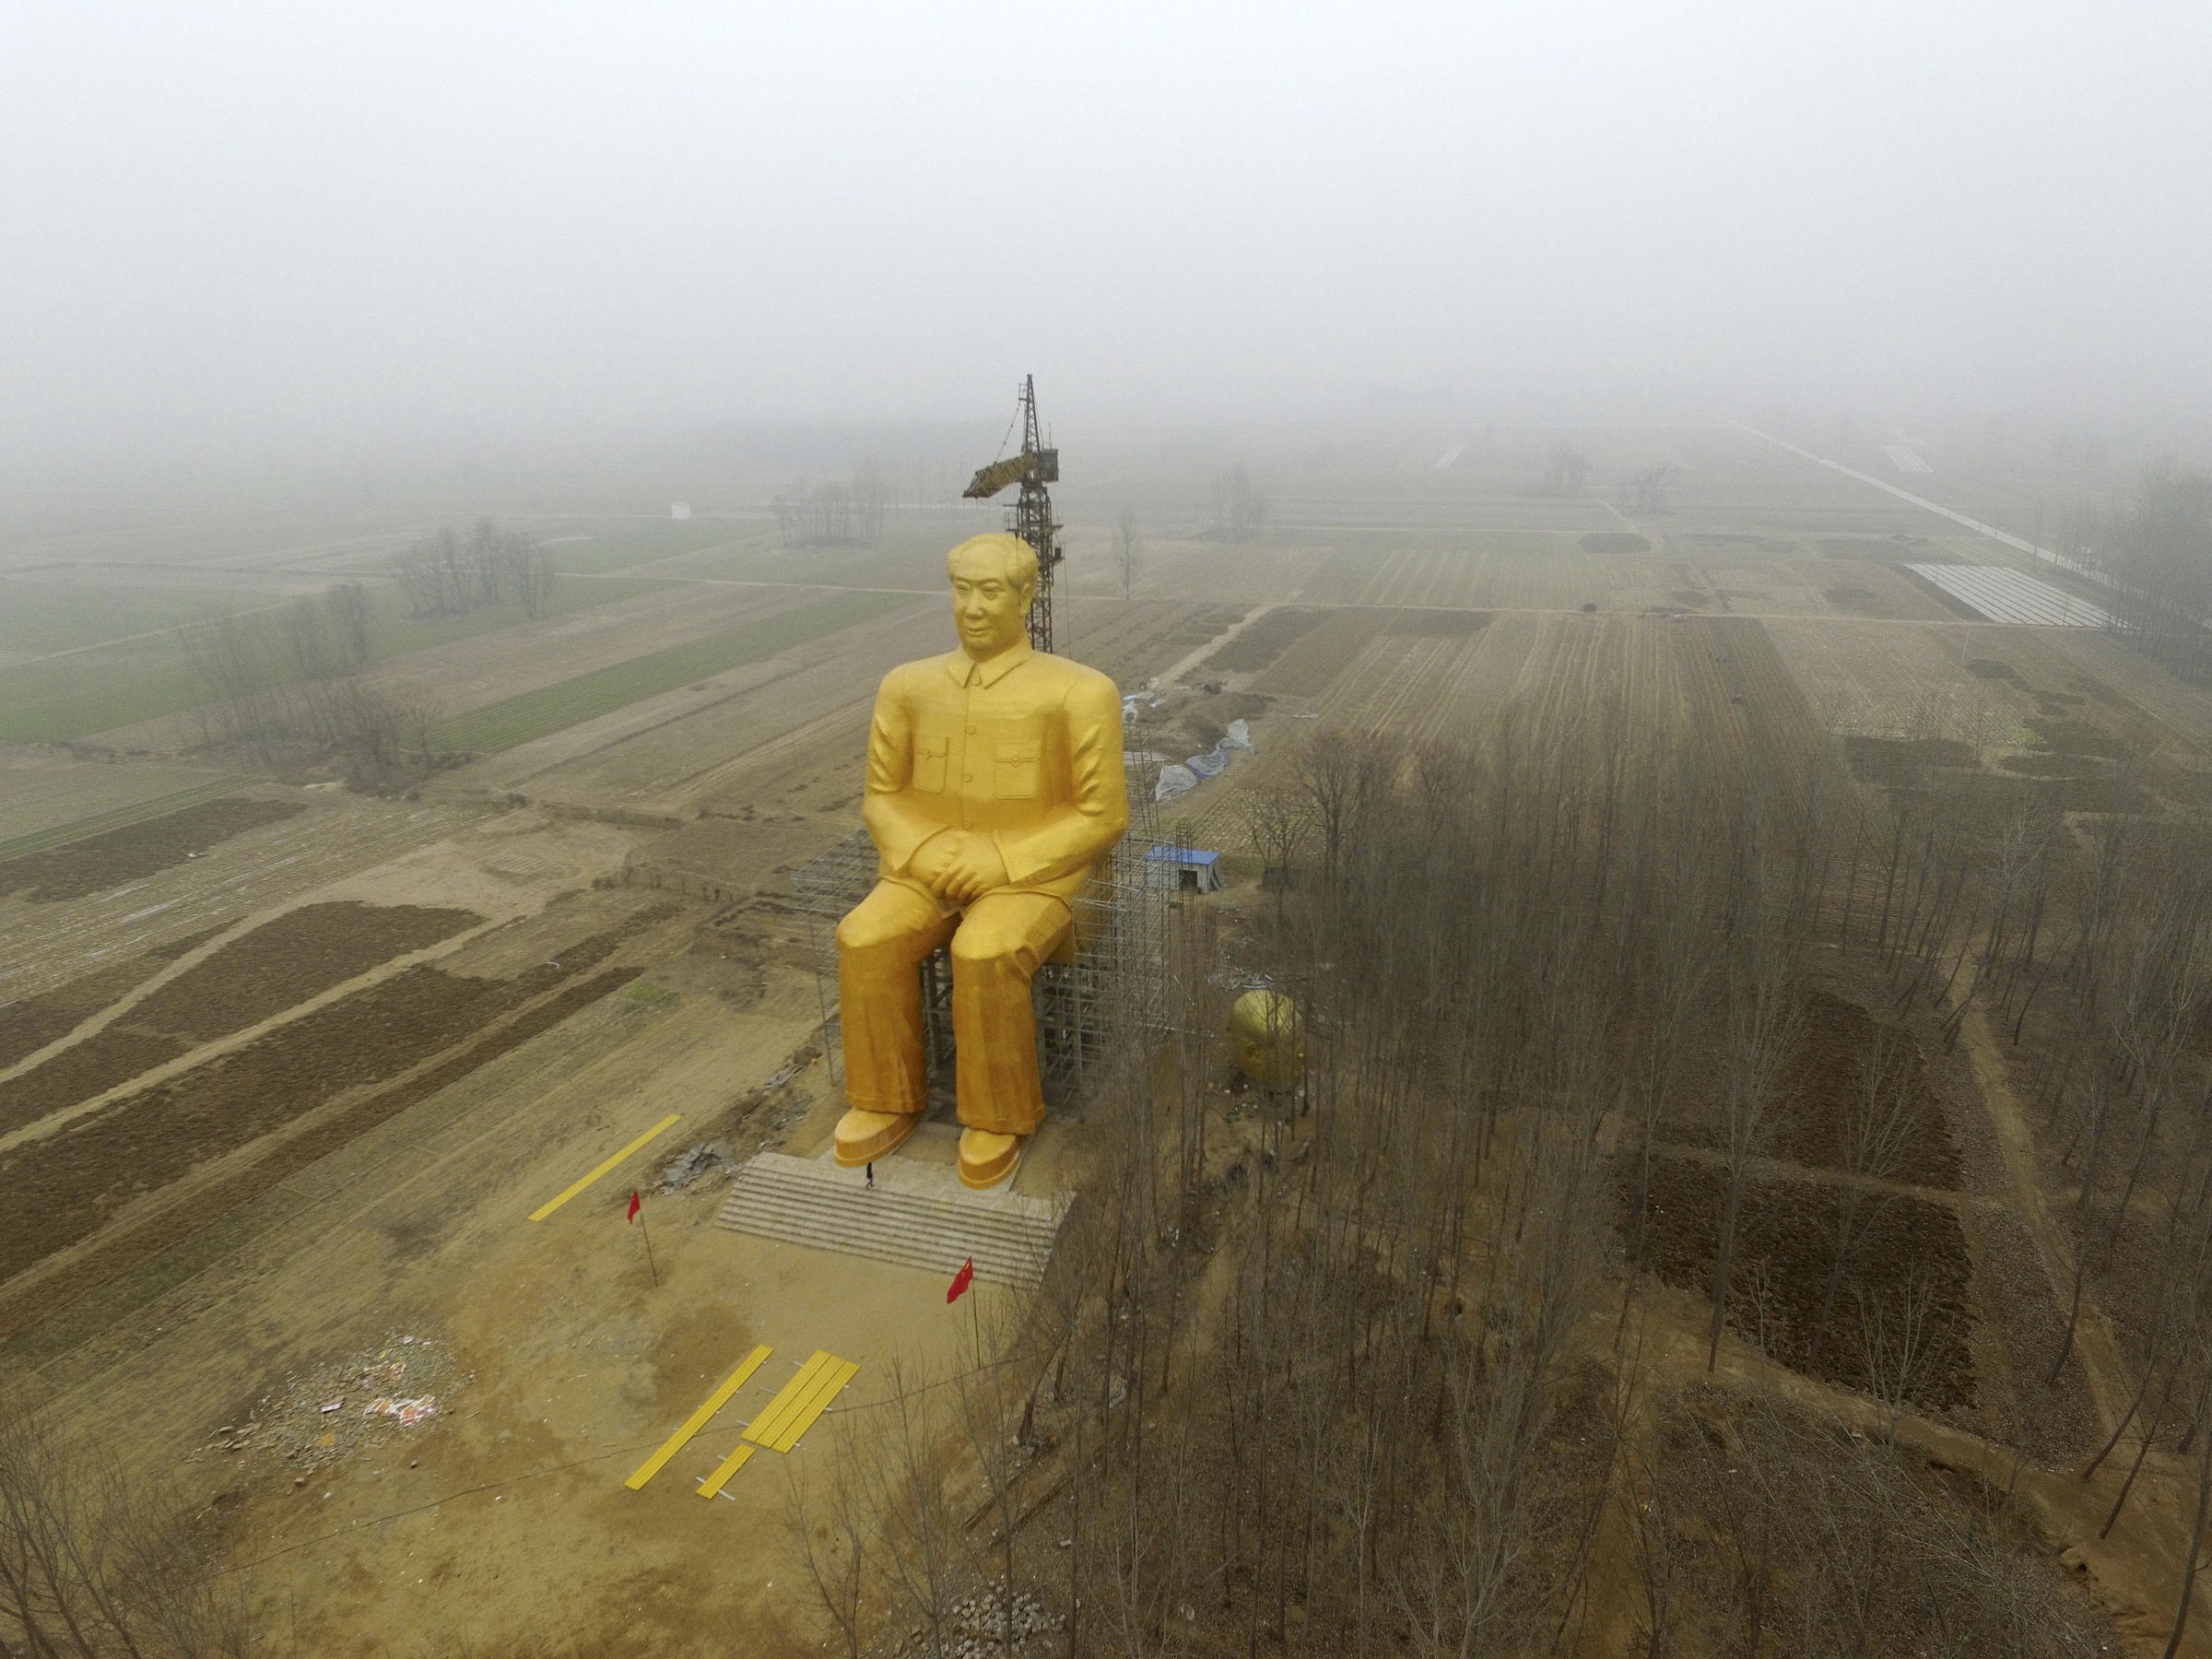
[(1106, 995)]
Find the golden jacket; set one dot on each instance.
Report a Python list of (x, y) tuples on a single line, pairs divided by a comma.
[(1026, 746)]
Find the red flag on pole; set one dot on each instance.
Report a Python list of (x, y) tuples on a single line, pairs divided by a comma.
[(634, 1206), (961, 1280)]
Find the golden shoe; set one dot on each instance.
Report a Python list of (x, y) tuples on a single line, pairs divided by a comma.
[(987, 1159), (865, 1136)]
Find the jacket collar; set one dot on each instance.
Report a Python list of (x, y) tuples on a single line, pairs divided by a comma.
[(960, 665)]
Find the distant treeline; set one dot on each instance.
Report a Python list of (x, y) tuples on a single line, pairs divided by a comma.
[(2153, 547), (444, 574), (850, 514)]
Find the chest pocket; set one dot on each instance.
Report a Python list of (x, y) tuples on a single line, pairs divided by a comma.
[(930, 757), (1013, 770)]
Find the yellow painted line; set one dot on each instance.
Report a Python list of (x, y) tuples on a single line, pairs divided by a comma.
[(833, 1378), (728, 1466), (786, 1402), (543, 1210), (698, 1419)]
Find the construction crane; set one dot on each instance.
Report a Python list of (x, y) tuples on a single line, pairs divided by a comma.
[(1031, 516)]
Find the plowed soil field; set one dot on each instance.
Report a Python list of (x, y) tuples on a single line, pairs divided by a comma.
[(299, 955), (1910, 1301), (101, 862), (90, 1173)]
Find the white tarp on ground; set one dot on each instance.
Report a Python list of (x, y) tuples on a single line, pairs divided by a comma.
[(2004, 595), (1175, 780), (1182, 780)]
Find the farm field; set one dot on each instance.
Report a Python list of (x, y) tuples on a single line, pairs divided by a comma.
[(628, 758), (910, 553), (593, 546), (110, 688), (39, 617), (285, 1069), (1886, 680), (42, 792), (799, 716), (530, 714)]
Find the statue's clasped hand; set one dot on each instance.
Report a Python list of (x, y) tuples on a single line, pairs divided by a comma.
[(960, 867)]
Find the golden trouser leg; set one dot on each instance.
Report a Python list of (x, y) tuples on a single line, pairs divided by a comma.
[(994, 955), (880, 943)]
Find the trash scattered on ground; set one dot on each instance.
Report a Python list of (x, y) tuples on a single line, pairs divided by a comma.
[(686, 1168), (407, 1412), (404, 1381)]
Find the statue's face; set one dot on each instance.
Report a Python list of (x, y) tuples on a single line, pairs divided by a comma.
[(989, 607)]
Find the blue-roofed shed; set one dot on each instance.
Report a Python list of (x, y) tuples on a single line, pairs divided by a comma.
[(1187, 869)]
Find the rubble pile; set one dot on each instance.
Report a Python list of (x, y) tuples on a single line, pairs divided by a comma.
[(705, 1158), (979, 1623), (315, 1417)]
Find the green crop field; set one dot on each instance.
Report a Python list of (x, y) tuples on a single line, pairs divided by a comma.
[(549, 709), (394, 633), (119, 684), (909, 554), (38, 615), (95, 691), (618, 545)]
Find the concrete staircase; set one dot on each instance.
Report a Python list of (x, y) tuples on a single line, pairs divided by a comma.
[(917, 1215)]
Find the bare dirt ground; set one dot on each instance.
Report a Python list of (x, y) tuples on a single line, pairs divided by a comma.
[(280, 1085)]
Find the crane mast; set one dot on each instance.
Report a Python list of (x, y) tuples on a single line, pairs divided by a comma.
[(1031, 514)]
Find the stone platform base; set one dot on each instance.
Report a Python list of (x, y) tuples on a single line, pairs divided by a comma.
[(917, 1214)]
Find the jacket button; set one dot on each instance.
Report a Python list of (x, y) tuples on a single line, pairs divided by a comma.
[(970, 731), (967, 777)]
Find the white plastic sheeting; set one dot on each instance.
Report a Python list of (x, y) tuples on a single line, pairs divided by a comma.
[(1180, 780), (2004, 595), (1175, 780)]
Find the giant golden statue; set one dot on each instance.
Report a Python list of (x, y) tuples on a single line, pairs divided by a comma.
[(995, 785)]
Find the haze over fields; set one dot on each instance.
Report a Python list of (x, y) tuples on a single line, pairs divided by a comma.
[(1658, 564), (306, 227)]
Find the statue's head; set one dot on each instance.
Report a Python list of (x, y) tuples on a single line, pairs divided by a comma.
[(994, 579), (1270, 1038)]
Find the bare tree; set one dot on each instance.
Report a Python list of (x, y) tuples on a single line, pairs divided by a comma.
[(528, 573), (1764, 1019), (351, 613), (487, 564), (306, 641), (1278, 821), (1875, 1134), (96, 1567), (834, 1535), (834, 514), (1239, 512), (1565, 470), (1645, 490), (1128, 549)]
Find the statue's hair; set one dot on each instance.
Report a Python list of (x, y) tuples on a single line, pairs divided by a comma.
[(1020, 559)]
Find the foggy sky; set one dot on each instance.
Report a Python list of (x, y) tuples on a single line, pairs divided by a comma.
[(301, 223)]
